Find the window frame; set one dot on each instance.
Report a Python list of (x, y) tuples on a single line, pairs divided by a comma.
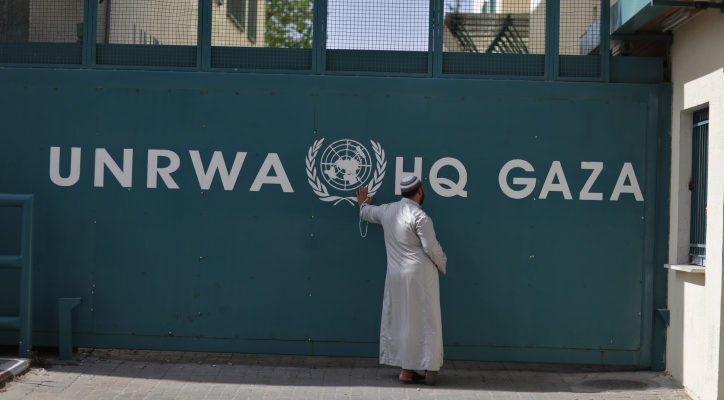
[(699, 186), (253, 12), (239, 22)]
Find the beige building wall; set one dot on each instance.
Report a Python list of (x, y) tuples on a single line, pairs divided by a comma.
[(504, 6), (537, 41), (515, 6), (226, 33), (173, 22), (694, 338), (167, 22), (55, 21)]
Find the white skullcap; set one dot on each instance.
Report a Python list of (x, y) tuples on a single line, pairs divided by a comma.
[(409, 184)]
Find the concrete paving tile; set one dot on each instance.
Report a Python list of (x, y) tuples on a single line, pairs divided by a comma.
[(204, 376)]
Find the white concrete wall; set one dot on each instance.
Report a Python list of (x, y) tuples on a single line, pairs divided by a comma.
[(694, 339)]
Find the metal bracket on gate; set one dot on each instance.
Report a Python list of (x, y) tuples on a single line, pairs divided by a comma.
[(664, 314), (65, 326)]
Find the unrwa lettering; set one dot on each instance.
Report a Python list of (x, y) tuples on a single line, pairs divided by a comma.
[(124, 174)]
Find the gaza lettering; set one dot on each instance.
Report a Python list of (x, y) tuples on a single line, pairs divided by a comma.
[(555, 181)]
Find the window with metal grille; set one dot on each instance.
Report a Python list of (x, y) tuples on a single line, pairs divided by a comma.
[(697, 185), (236, 11), (252, 20), (489, 6)]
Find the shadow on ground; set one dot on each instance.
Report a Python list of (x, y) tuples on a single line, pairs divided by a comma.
[(282, 370)]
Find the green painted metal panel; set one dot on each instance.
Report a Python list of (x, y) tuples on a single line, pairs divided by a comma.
[(146, 55), (44, 53), (493, 64), (627, 16), (530, 279), (261, 58), (637, 69)]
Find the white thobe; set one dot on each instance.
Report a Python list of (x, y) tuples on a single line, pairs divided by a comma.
[(411, 327)]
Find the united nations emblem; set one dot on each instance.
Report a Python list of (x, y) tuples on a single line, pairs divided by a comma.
[(345, 165)]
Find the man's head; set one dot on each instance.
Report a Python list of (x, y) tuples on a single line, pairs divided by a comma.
[(411, 188)]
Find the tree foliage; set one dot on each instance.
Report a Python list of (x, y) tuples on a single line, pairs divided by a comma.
[(288, 23)]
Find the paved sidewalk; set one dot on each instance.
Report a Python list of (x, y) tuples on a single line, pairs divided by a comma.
[(124, 374), (10, 367)]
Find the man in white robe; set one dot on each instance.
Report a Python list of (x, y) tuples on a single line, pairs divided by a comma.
[(411, 326)]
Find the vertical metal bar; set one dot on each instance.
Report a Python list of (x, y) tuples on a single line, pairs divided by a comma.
[(319, 36), (26, 321), (704, 179), (605, 44), (439, 18), (85, 51), (661, 116), (697, 192), (699, 187), (203, 42), (199, 34), (702, 186), (693, 251), (90, 30), (315, 36), (431, 38), (552, 29)]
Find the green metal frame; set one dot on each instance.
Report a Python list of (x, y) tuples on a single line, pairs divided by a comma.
[(438, 11), (659, 277), (552, 27), (23, 262), (319, 36), (205, 20), (435, 56)]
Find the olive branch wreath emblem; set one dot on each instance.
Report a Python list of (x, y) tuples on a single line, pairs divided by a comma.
[(321, 191)]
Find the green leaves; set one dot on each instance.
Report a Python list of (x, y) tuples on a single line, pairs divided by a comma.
[(289, 23)]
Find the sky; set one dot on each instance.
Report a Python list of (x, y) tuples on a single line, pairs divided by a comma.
[(381, 24)]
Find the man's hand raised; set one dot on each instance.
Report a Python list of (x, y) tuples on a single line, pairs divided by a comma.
[(362, 196)]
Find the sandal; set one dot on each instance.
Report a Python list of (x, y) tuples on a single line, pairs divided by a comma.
[(430, 377), (414, 378)]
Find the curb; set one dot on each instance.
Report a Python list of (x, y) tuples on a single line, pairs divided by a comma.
[(11, 367)]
